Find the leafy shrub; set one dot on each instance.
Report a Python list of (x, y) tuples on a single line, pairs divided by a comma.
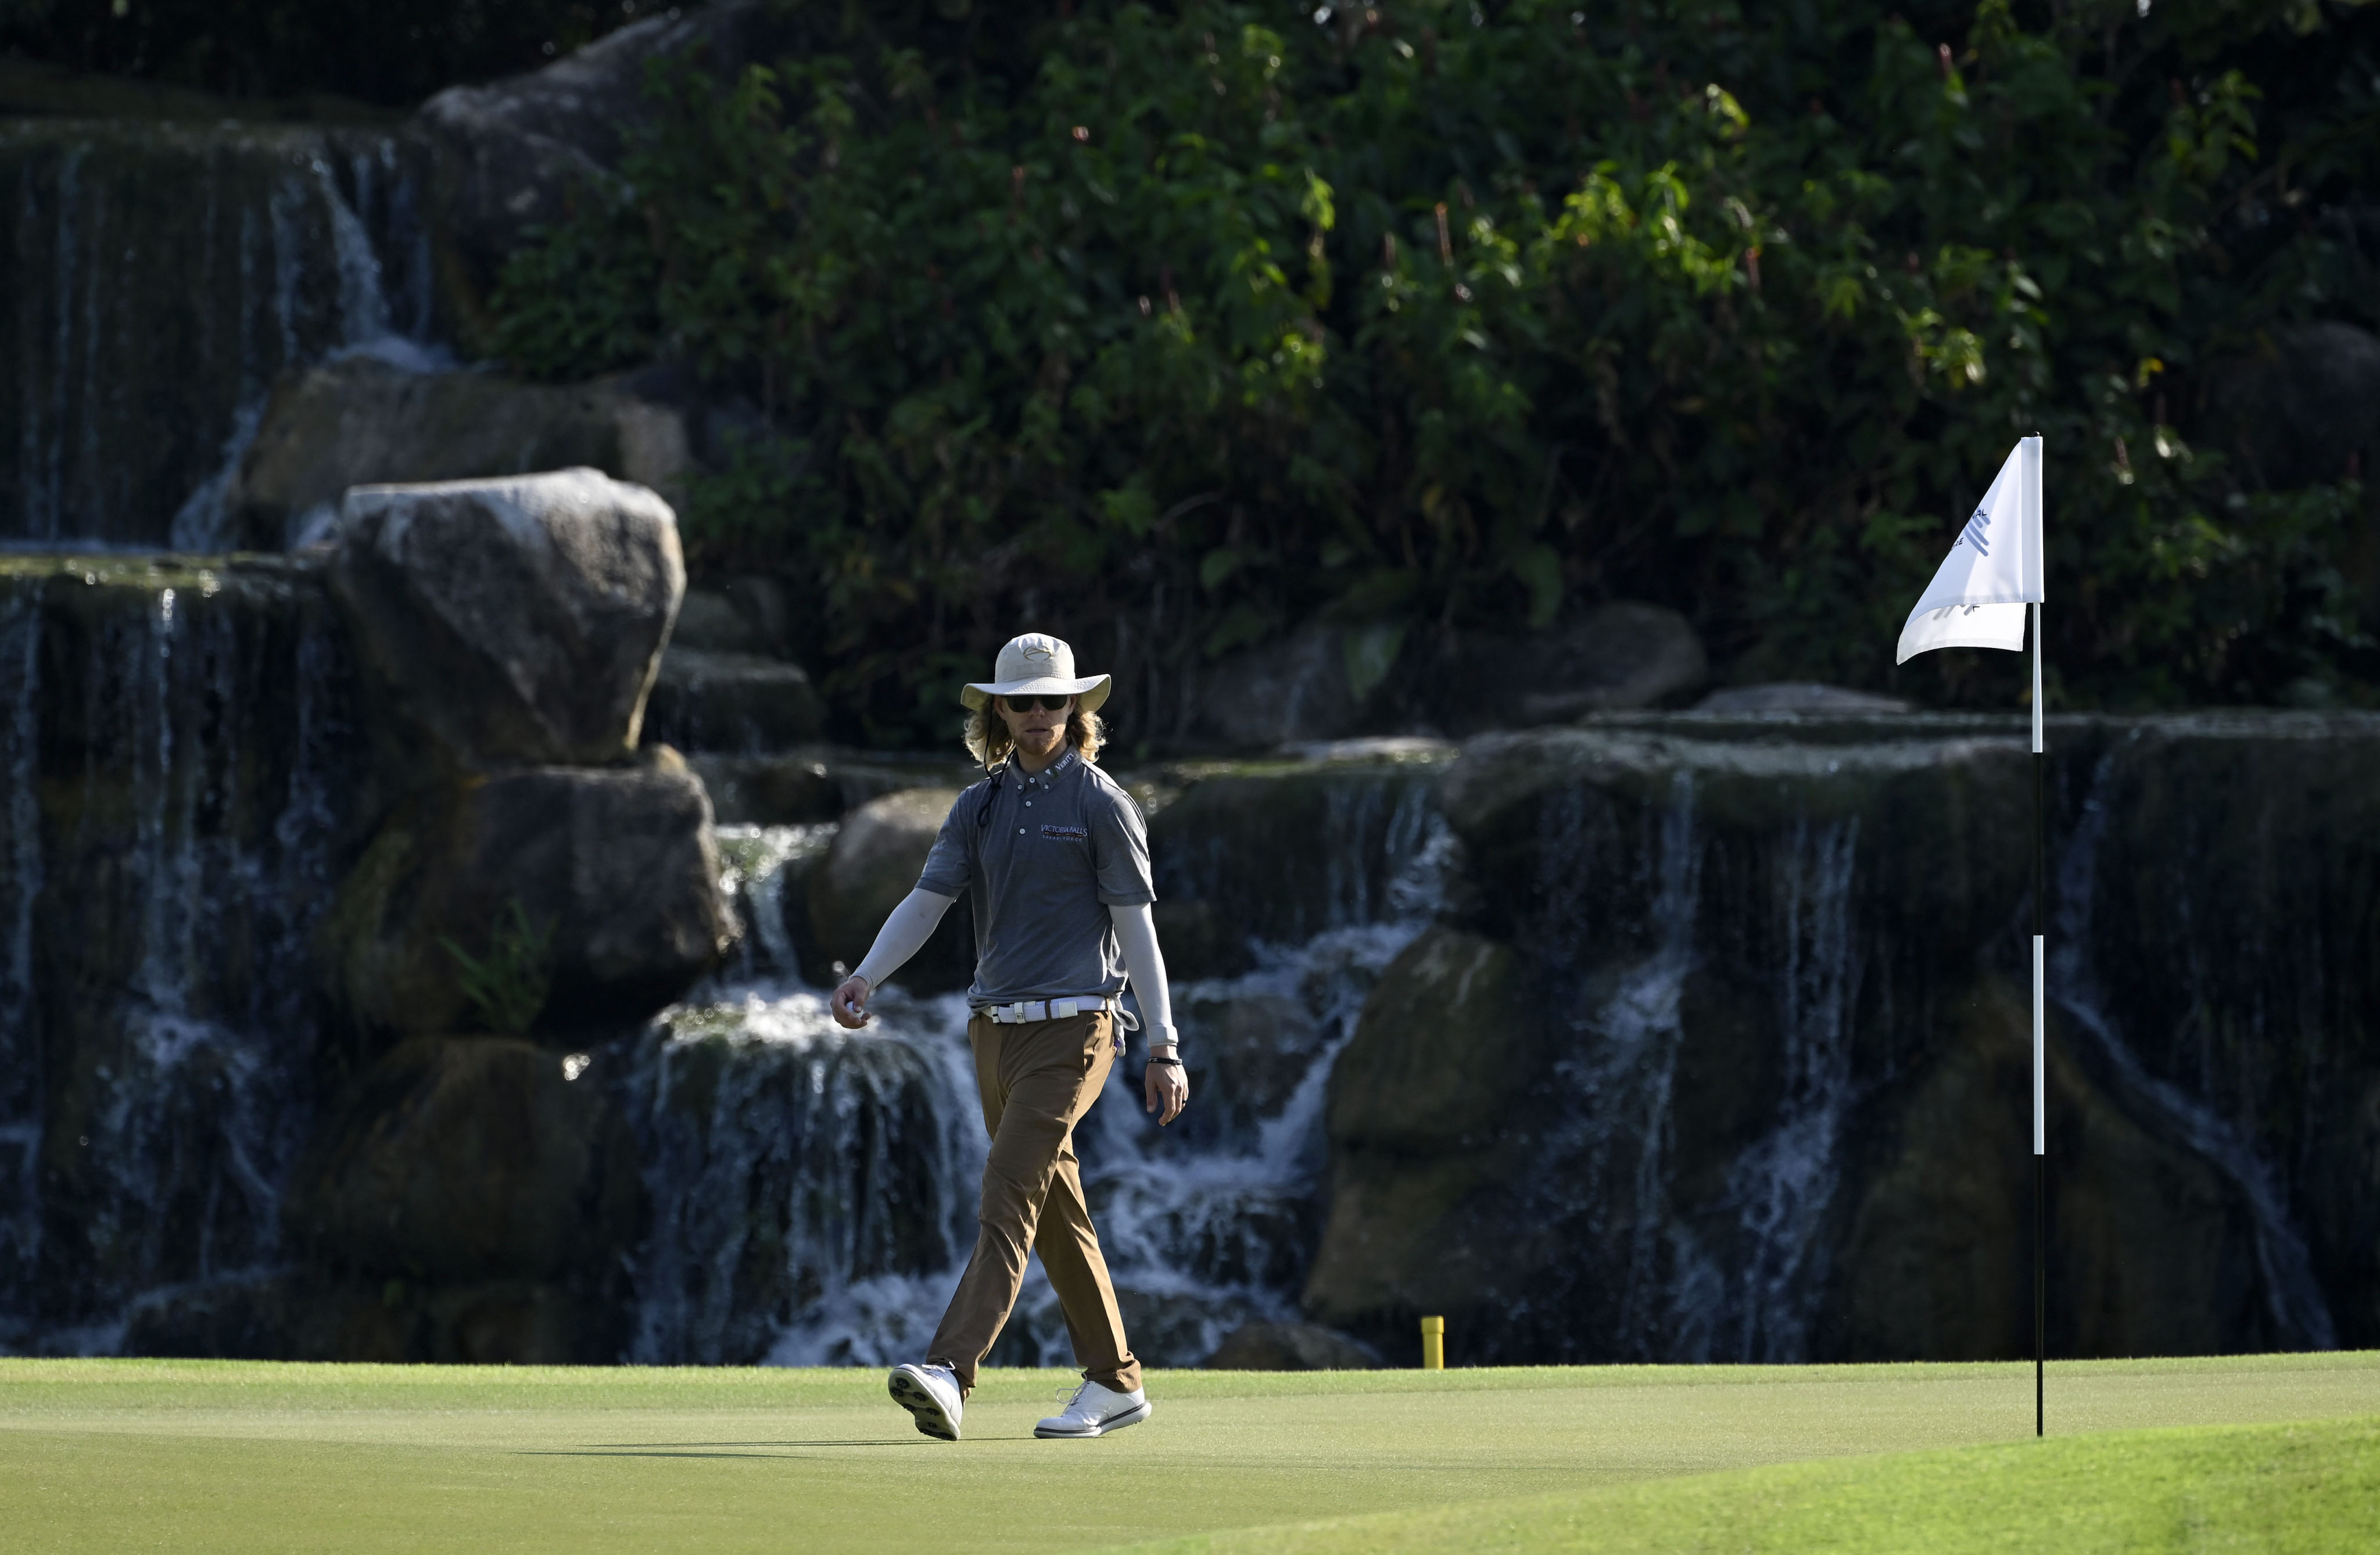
[(1438, 316)]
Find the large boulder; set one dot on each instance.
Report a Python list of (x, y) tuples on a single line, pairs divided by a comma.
[(1425, 1113), (512, 622), (874, 863), (2298, 405), (453, 1160), (746, 704), (358, 422), (602, 885)]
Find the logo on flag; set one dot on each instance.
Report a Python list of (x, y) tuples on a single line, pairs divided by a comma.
[(1978, 596)]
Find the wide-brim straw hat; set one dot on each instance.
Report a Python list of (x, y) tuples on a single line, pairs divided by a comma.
[(1037, 665)]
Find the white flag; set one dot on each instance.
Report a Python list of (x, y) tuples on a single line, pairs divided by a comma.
[(1977, 598)]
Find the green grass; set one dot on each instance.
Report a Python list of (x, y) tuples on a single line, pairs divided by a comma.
[(233, 1456), (2285, 1489)]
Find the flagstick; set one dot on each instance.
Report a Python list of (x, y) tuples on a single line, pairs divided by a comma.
[(2040, 1216)]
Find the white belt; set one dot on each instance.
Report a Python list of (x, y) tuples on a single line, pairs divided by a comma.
[(1044, 1009)]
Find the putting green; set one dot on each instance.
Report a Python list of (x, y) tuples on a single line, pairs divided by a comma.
[(254, 1457)]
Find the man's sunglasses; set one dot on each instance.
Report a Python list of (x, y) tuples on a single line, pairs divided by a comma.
[(1044, 704)]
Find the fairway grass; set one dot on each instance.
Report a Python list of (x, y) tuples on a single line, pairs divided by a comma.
[(2302, 1489), (192, 1455)]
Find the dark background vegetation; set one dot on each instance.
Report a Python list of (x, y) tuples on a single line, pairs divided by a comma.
[(391, 53), (1196, 323)]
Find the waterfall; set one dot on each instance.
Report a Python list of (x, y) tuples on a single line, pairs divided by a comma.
[(813, 1189), (163, 277), (2300, 1316), (181, 763), (1624, 1068), (1733, 1274), (20, 887), (1781, 1186)]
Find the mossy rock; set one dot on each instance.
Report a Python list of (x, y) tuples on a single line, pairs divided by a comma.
[(451, 1160)]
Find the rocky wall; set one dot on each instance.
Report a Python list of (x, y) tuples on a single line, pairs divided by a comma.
[(1727, 1057), (269, 822)]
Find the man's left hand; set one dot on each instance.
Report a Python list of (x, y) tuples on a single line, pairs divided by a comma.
[(1167, 1088)]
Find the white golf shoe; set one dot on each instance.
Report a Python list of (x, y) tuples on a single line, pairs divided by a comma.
[(1096, 1410), (931, 1393)]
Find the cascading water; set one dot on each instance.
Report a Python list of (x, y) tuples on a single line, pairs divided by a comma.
[(162, 278), (1734, 1270), (813, 1189), (2300, 1314), (181, 767), (20, 890)]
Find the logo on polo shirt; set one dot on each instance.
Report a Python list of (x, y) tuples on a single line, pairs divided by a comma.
[(1068, 834)]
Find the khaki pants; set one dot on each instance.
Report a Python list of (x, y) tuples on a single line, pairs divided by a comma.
[(1037, 1080)]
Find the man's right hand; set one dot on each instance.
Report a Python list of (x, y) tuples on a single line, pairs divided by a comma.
[(849, 1001)]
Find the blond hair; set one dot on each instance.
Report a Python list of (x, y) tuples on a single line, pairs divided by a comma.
[(988, 739)]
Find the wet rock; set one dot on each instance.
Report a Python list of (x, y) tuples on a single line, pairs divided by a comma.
[(1282, 853), (515, 621), (1444, 1047), (874, 863), (616, 871), (744, 703), (458, 1159), (2214, 865), (1425, 1121), (362, 421), (1198, 943), (314, 1316), (2155, 1253), (1796, 696), (1248, 1049), (2298, 405), (1289, 1347), (1620, 656), (2342, 1201)]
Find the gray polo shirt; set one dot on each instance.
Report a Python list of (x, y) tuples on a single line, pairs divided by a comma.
[(1042, 858)]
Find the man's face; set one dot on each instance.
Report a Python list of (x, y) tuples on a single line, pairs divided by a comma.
[(1035, 724)]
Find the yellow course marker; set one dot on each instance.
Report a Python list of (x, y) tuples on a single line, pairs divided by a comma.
[(1433, 1344)]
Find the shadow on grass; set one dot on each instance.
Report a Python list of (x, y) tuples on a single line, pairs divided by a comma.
[(731, 1449)]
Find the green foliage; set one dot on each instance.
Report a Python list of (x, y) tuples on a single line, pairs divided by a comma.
[(1440, 315), (508, 987)]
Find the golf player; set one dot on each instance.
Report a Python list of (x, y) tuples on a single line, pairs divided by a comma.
[(1054, 856)]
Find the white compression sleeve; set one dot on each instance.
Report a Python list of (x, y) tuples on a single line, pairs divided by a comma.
[(1136, 931), (910, 926)]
